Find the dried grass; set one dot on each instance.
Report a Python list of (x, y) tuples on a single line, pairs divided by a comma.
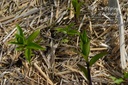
[(58, 65)]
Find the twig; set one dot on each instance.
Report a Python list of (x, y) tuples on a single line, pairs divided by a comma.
[(9, 35), (123, 53)]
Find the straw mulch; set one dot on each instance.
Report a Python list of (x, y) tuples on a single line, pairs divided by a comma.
[(58, 64)]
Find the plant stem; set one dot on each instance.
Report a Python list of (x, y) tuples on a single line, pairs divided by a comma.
[(76, 20), (89, 74)]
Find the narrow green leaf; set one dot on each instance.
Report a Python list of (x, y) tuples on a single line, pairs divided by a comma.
[(119, 81), (16, 43), (34, 46), (82, 53), (74, 3), (85, 57), (19, 31), (33, 36), (113, 78), (126, 75), (86, 48), (28, 53), (65, 40), (20, 48), (20, 39), (85, 45), (96, 57), (63, 30), (78, 10), (39, 40), (116, 80), (70, 25), (68, 30), (12, 40), (84, 37), (84, 70), (73, 32)]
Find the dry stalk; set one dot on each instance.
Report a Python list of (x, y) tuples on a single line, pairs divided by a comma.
[(43, 74), (115, 4), (123, 53)]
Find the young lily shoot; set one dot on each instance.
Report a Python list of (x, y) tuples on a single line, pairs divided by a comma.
[(85, 50), (26, 44)]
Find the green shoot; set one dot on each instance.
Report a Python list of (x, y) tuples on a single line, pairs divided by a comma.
[(85, 50), (68, 30), (117, 80), (126, 75), (76, 5), (26, 44), (120, 80)]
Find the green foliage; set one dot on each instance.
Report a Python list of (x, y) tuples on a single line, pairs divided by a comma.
[(117, 80), (76, 5), (96, 57), (85, 45), (85, 50), (28, 53), (26, 44), (126, 75), (65, 40), (84, 70), (33, 36), (120, 80), (20, 36), (68, 30)]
